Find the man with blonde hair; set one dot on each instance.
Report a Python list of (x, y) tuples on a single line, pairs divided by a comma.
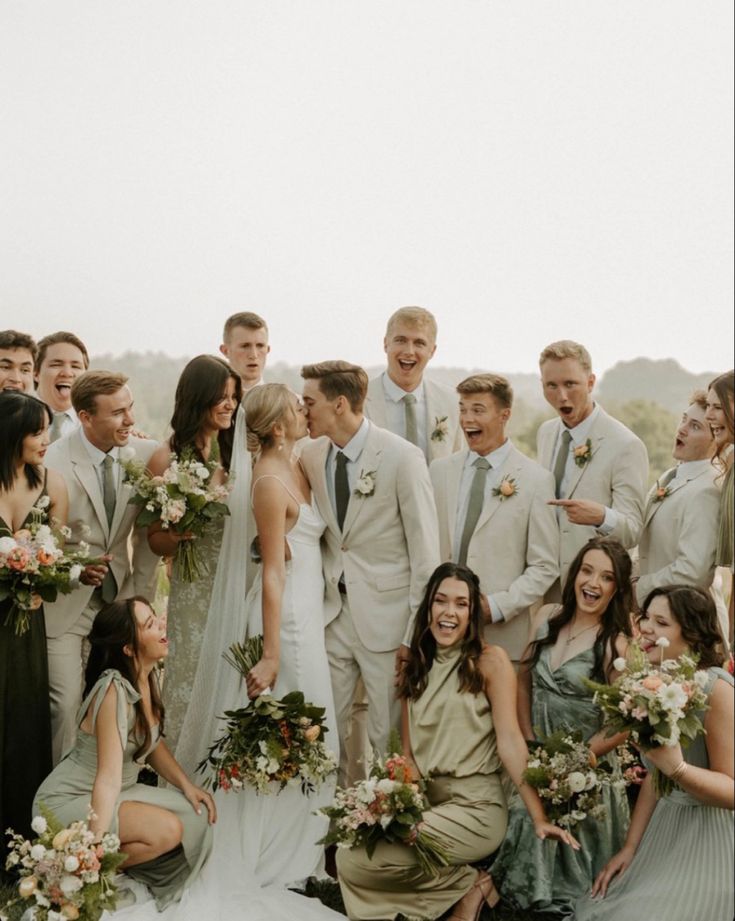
[(100, 514), (600, 467), (494, 515), (401, 399)]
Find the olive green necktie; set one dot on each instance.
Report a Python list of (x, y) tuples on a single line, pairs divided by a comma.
[(409, 405), (561, 460), (474, 506)]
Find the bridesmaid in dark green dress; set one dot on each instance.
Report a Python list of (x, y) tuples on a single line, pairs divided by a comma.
[(578, 640), (26, 489)]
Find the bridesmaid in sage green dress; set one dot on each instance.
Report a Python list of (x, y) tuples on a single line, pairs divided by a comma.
[(676, 863), (459, 727), (580, 640), (166, 833), (203, 425)]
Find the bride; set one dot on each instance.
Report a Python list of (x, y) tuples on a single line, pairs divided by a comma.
[(261, 843)]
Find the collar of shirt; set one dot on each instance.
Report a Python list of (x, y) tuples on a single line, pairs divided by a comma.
[(690, 469), (354, 447), (97, 456), (581, 432), (495, 458), (394, 393)]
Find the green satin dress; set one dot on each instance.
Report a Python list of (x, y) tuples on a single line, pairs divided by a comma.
[(548, 875), (67, 792), (454, 746)]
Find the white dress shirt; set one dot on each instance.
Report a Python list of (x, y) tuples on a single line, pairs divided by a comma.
[(496, 459), (395, 411), (352, 451), (68, 421), (580, 433), (98, 458)]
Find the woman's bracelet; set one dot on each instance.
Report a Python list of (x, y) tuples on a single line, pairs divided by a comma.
[(679, 771)]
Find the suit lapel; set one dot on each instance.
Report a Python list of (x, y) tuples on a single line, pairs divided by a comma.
[(369, 462), (376, 401), (547, 448), (85, 473), (122, 497), (597, 441), (492, 504), (453, 481)]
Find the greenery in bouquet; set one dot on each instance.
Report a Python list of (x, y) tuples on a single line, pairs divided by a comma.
[(388, 806), (182, 499), (65, 873), (567, 777), (35, 567), (270, 742), (656, 705)]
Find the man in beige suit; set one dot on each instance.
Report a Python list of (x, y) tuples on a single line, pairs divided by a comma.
[(380, 545), (402, 400), (679, 538), (100, 515), (494, 513), (600, 467)]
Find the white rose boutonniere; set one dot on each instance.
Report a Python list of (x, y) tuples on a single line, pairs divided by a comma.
[(441, 429), (365, 484)]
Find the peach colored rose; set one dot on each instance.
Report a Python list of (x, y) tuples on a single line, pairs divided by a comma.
[(651, 682), (507, 488), (44, 557), (27, 886), (22, 534), (18, 558), (35, 602), (312, 733), (581, 450), (70, 912)]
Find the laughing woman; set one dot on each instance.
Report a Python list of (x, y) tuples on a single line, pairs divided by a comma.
[(459, 727)]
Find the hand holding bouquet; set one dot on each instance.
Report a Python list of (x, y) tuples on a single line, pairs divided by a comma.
[(270, 741), (657, 705), (34, 567), (66, 871), (567, 777), (180, 500), (389, 806)]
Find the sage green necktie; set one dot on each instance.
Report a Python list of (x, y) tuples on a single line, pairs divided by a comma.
[(474, 506), (409, 405), (54, 433), (561, 460), (341, 488), (108, 488)]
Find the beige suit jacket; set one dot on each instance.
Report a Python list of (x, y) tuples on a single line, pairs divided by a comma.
[(515, 547), (679, 537), (133, 564), (441, 402), (389, 546), (616, 477)]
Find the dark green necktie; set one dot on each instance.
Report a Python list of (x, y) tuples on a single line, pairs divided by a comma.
[(341, 488)]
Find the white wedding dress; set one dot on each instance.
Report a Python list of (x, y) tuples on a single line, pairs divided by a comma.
[(261, 843)]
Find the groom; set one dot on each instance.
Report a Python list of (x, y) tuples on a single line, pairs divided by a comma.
[(380, 547)]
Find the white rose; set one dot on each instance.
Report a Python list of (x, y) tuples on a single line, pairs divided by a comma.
[(43, 535), (619, 664), (70, 884), (43, 502), (577, 781), (71, 864), (39, 824), (386, 785), (7, 544), (38, 852), (75, 572), (126, 453)]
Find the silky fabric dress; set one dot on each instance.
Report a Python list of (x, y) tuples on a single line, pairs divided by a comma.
[(682, 870), (67, 792), (454, 746), (725, 537), (25, 716), (548, 875)]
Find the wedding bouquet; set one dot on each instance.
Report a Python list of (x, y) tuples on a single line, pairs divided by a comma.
[(389, 806), (657, 705), (270, 741), (567, 777), (180, 500), (34, 568), (66, 871)]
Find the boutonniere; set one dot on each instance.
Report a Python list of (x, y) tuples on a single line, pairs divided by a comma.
[(507, 489), (365, 484), (583, 453), (441, 429), (661, 493)]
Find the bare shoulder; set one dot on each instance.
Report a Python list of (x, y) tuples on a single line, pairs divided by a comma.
[(494, 658), (159, 459), (55, 484)]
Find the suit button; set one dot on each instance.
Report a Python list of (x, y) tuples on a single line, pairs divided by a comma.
[(334, 580), (343, 549)]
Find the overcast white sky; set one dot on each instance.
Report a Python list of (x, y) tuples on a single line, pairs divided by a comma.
[(526, 170)]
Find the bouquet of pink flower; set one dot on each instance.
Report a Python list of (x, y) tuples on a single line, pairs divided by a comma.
[(182, 500), (34, 567), (67, 872), (657, 705), (389, 806)]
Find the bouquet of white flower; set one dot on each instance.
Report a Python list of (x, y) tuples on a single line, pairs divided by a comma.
[(180, 500), (67, 872), (656, 705), (34, 567)]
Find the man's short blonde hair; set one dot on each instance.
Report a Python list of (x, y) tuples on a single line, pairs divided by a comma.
[(699, 398), (566, 348), (496, 385), (88, 386), (413, 316)]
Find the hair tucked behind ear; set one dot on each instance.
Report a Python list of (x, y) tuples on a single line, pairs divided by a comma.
[(265, 406), (114, 628)]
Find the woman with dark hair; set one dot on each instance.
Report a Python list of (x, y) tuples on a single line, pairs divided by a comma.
[(28, 493), (577, 640), (676, 863), (720, 415), (203, 426), (459, 726), (166, 833)]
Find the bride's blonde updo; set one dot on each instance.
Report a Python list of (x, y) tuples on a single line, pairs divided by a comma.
[(264, 407)]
